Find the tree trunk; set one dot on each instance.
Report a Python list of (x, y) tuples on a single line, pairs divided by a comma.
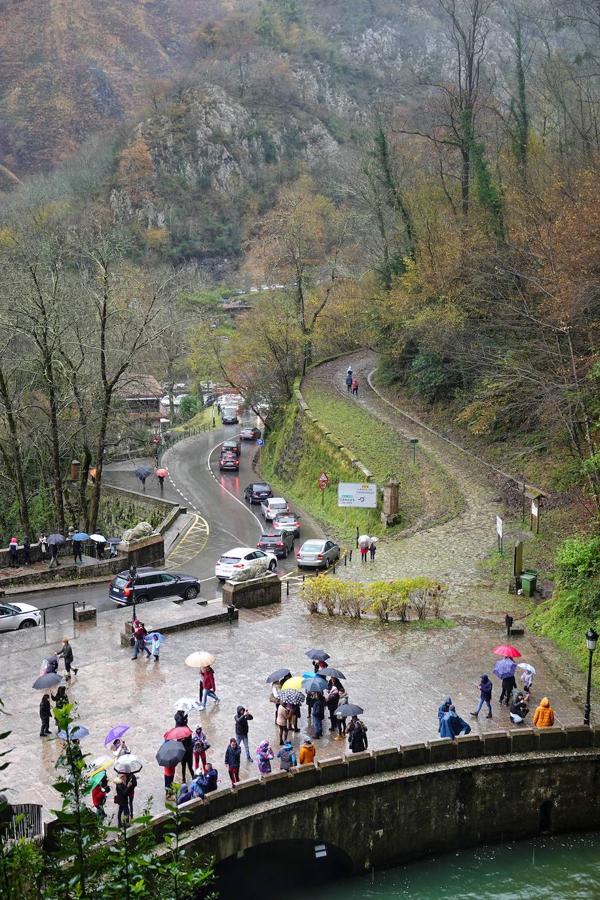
[(16, 458), (100, 448)]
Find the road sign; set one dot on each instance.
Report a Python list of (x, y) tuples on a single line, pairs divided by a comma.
[(358, 496), (260, 443), (323, 481), (500, 532)]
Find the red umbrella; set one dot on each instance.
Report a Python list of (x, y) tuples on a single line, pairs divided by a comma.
[(507, 650), (179, 733), (161, 473)]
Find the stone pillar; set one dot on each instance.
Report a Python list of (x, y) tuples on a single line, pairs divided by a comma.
[(390, 513)]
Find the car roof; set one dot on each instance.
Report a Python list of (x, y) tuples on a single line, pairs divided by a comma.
[(273, 534), (276, 500), (142, 570), (241, 551), (256, 484)]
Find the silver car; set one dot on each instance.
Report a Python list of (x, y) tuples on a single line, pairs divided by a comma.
[(15, 616), (317, 554)]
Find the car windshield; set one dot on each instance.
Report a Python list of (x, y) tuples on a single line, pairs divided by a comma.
[(285, 519), (120, 581), (11, 608), (261, 487), (311, 546), (229, 560), (269, 538), (277, 504)]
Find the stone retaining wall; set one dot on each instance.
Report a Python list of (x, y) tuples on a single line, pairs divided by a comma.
[(256, 592)]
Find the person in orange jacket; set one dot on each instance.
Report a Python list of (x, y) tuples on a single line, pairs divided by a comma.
[(307, 752), (543, 717)]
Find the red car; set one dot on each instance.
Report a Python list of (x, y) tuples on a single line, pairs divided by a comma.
[(229, 462)]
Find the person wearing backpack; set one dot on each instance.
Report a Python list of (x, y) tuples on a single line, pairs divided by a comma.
[(200, 745), (357, 735), (286, 757), (232, 761)]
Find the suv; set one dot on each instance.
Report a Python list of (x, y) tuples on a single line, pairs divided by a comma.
[(234, 561), (15, 616), (229, 461), (287, 522), (248, 433), (231, 447), (257, 492), (152, 584), (279, 544), (272, 507)]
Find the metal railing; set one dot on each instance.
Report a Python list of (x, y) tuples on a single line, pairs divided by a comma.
[(26, 821)]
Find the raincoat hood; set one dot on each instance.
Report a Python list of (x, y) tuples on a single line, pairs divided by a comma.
[(262, 748), (484, 679), (288, 746), (544, 702), (240, 710)]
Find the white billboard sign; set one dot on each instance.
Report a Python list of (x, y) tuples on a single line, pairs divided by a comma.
[(359, 496)]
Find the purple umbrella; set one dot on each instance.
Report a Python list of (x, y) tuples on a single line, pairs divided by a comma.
[(115, 733), (504, 668)]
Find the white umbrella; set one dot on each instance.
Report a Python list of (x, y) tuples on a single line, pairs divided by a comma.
[(364, 540), (199, 659), (186, 704), (99, 538), (527, 666), (127, 764)]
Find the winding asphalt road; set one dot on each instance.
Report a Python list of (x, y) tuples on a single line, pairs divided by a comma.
[(222, 519)]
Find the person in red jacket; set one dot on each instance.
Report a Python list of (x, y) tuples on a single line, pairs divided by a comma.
[(139, 638), (207, 676), (99, 794)]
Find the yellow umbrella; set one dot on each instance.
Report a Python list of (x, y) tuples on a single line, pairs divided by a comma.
[(100, 765), (199, 659), (294, 683)]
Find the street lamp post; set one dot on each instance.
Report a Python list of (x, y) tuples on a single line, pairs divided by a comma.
[(591, 640), (133, 576)]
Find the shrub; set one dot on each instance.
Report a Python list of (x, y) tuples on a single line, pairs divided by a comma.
[(389, 598), (577, 560), (321, 592)]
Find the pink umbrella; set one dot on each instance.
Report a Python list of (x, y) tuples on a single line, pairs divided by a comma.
[(161, 473), (179, 733)]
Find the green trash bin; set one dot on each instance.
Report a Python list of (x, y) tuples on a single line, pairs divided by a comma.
[(529, 582)]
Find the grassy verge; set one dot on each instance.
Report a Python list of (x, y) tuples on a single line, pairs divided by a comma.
[(202, 419), (427, 492)]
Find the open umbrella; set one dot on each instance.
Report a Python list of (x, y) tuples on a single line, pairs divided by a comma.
[(364, 540), (278, 675), (55, 539), (317, 654), (186, 705), (507, 650), (527, 666), (294, 683), (115, 733), (161, 473), (348, 709), (331, 673), (314, 685), (93, 780), (127, 764), (504, 668), (114, 540), (313, 675), (143, 471), (98, 538), (81, 536), (150, 637), (75, 732), (199, 659), (178, 733), (100, 765), (170, 753), (45, 682), (293, 697)]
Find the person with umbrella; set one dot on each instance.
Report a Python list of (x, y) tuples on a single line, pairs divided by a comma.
[(67, 654), (508, 686), (357, 735), (332, 698), (142, 473), (318, 714), (527, 673), (78, 538), (45, 712), (161, 474), (122, 800), (242, 717), (485, 696), (284, 715), (372, 548), (363, 545), (100, 792), (155, 640)]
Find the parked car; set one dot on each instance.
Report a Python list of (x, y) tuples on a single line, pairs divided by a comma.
[(272, 506), (16, 616), (287, 522), (317, 554), (250, 434), (279, 544), (231, 446), (151, 584), (257, 492), (240, 558), (229, 462)]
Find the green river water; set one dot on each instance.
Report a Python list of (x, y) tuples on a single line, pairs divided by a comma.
[(563, 867)]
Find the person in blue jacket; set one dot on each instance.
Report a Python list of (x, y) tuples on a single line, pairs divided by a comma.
[(452, 725), (485, 696), (443, 708)]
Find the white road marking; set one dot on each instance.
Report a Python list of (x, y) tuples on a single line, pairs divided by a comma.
[(232, 495)]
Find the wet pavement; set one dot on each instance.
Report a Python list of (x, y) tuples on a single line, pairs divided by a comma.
[(399, 674)]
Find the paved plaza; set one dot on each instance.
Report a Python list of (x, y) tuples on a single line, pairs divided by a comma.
[(399, 674)]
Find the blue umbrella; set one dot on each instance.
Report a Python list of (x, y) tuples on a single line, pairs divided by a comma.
[(81, 536), (312, 675), (143, 471), (504, 668), (76, 732), (55, 539), (150, 637), (314, 685)]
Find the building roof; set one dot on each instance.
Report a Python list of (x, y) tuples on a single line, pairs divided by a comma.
[(140, 387)]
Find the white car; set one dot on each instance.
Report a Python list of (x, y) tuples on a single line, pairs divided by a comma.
[(272, 507), (14, 616), (234, 561)]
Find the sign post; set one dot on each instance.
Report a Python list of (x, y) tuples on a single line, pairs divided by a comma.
[(500, 533), (414, 442), (323, 483), (534, 519)]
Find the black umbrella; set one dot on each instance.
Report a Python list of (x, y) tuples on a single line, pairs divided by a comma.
[(317, 654), (170, 753), (55, 539), (44, 682), (348, 709), (314, 685), (279, 675), (144, 471), (331, 673)]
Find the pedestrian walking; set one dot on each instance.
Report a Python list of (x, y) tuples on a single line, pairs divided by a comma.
[(286, 757), (349, 381), (209, 686), (508, 686), (199, 745), (518, 710), (264, 755), (508, 621), (307, 752), (67, 654), (355, 387), (26, 550), (100, 549), (527, 682), (131, 782), (45, 713), (77, 552), (99, 795), (43, 542), (543, 717), (54, 563), (122, 801), (139, 639), (13, 553), (232, 761), (143, 480), (485, 696), (284, 715), (318, 713), (373, 548), (242, 717), (363, 545), (161, 482), (60, 697), (357, 735), (155, 646), (452, 725)]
